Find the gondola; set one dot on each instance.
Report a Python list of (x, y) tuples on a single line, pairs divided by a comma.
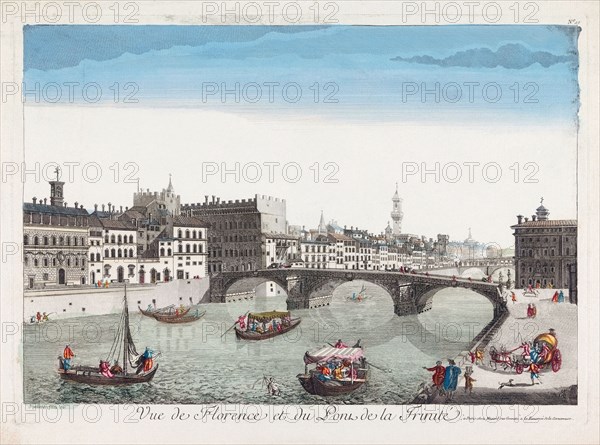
[(131, 360), (357, 367), (286, 324), (186, 318)]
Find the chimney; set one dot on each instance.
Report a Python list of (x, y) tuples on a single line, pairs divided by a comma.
[(526, 219), (126, 208), (205, 199), (121, 209), (519, 219), (81, 206), (95, 207), (103, 207), (218, 201), (34, 199), (533, 217), (45, 201), (213, 199), (109, 207), (76, 204)]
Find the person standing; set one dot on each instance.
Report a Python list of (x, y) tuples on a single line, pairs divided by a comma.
[(561, 297), (533, 310), (555, 297), (451, 379), (439, 373), (148, 362), (469, 381), (534, 372), (529, 310), (67, 356), (479, 356), (513, 297)]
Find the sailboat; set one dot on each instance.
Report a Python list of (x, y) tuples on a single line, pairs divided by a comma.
[(132, 361), (362, 295)]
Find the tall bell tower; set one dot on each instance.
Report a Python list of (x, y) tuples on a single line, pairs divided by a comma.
[(397, 214), (56, 190)]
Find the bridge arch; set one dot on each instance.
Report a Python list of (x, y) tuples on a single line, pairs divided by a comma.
[(473, 272), (326, 286), (249, 284), (424, 301)]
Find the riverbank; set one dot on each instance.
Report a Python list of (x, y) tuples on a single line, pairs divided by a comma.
[(499, 386)]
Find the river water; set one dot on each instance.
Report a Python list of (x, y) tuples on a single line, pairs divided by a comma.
[(198, 366)]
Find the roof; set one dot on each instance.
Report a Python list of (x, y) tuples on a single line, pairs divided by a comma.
[(115, 224), (279, 236), (547, 223), (327, 353), (54, 210), (94, 221), (339, 237), (132, 214), (188, 221)]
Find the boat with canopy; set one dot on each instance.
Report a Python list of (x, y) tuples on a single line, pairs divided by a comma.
[(264, 325), (337, 371), (123, 348)]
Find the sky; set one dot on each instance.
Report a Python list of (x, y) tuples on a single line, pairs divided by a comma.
[(365, 105)]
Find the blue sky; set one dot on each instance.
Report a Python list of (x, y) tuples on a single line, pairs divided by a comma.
[(359, 72)]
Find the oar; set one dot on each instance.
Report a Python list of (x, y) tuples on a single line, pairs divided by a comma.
[(233, 325)]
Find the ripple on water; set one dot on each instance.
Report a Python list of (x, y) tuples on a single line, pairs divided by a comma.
[(198, 366)]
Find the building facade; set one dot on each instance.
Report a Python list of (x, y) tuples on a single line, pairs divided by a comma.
[(545, 250)]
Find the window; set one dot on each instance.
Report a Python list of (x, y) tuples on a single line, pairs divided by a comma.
[(45, 262), (180, 248), (162, 251), (36, 240), (195, 249), (130, 253), (105, 253), (119, 253), (130, 239), (25, 240), (119, 239), (125, 253), (187, 233), (45, 241), (179, 234), (194, 234), (112, 239), (113, 253), (187, 248), (169, 253)]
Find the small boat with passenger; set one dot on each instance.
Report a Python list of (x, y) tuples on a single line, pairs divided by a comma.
[(338, 371), (187, 317), (264, 325)]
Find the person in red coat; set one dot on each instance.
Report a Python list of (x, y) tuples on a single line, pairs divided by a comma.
[(439, 372)]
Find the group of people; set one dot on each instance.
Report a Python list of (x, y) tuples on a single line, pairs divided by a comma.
[(558, 297), (336, 370), (146, 363), (477, 356), (39, 317), (274, 325), (99, 284), (445, 379)]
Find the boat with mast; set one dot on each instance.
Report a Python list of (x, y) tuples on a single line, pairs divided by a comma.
[(133, 362)]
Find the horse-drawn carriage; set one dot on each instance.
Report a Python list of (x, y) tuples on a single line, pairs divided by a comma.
[(542, 351)]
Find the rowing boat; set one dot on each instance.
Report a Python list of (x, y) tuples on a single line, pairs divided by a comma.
[(186, 318), (258, 321)]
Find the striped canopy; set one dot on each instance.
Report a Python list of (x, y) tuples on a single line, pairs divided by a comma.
[(327, 353)]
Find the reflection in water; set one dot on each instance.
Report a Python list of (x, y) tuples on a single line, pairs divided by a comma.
[(198, 366)]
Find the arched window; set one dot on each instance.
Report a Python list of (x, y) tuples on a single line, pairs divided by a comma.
[(125, 253), (200, 234), (187, 233), (131, 253), (130, 239), (36, 240), (68, 262), (82, 241), (74, 240), (61, 241), (201, 248), (97, 257), (194, 234), (195, 249), (169, 252), (36, 262), (179, 234), (45, 241), (105, 253), (112, 239), (119, 239), (119, 253), (180, 248), (162, 251), (113, 253), (54, 262), (187, 248), (45, 262), (25, 240), (68, 240), (106, 238), (91, 257), (76, 261)]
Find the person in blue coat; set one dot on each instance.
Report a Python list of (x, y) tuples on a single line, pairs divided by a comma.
[(561, 297), (451, 379)]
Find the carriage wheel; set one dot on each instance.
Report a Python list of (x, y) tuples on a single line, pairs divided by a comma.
[(556, 361), (519, 368)]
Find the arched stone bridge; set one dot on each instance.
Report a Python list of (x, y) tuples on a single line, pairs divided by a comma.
[(411, 293)]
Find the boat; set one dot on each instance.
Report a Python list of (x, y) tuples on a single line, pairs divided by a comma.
[(186, 318), (352, 359), (282, 319), (132, 361), (361, 296), (168, 310)]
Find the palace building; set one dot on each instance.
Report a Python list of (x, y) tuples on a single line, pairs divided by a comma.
[(545, 250)]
